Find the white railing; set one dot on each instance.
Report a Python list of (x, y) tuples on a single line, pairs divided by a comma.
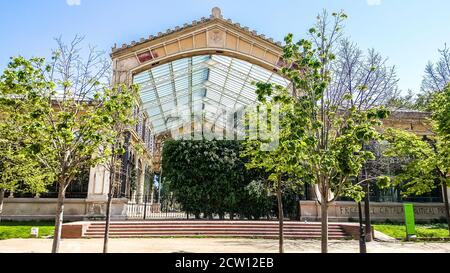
[(152, 211)]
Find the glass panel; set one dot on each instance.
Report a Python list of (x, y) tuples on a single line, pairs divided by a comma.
[(228, 82)]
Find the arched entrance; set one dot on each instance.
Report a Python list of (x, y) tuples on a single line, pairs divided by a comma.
[(208, 36), (193, 82)]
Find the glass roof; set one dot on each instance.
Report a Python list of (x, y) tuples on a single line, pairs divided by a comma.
[(203, 86)]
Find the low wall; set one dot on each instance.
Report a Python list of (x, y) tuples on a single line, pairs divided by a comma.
[(85, 209), (379, 212), (27, 209)]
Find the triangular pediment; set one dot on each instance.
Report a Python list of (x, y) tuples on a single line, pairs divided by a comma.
[(215, 18)]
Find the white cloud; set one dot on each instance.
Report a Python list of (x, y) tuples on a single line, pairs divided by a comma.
[(373, 2), (73, 2)]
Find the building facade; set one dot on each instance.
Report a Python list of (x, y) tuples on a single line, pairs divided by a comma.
[(196, 75)]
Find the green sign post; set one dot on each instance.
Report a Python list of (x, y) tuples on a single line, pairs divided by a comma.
[(409, 221)]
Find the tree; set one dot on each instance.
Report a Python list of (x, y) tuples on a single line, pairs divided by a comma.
[(437, 75), (119, 102), (436, 78), (281, 121), (425, 161), (367, 77), (329, 137), (441, 121), (409, 101), (440, 113), (19, 173), (19, 101), (73, 127), (374, 172)]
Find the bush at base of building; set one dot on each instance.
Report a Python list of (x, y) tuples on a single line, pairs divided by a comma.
[(209, 178)]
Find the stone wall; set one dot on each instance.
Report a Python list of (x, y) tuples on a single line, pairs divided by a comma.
[(45, 209), (410, 121), (379, 212)]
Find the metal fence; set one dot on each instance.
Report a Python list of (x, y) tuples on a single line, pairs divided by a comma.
[(141, 209)]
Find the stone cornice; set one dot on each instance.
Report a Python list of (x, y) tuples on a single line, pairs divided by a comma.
[(215, 17)]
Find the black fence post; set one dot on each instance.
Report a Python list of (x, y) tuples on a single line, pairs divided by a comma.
[(145, 206)]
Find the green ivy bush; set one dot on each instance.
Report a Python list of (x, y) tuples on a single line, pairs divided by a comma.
[(209, 178)]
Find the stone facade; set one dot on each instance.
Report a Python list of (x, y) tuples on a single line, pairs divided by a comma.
[(348, 211), (45, 209), (213, 35), (411, 121)]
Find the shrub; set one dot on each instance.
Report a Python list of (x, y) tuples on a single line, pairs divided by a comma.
[(210, 178)]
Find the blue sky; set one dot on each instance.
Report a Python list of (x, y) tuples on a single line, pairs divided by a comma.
[(409, 32)]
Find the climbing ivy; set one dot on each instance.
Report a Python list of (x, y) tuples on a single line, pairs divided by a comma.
[(209, 178)]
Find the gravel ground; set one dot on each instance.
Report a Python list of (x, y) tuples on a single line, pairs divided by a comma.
[(187, 245)]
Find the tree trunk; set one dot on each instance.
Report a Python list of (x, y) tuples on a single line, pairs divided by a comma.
[(2, 197), (362, 238), (324, 218), (299, 210), (447, 206), (59, 217), (109, 204), (367, 219), (280, 219)]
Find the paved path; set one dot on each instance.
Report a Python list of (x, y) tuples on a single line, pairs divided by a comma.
[(213, 245)]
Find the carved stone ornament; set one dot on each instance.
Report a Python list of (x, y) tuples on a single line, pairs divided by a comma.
[(216, 38)]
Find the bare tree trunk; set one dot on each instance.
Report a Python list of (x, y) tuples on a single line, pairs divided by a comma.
[(109, 204), (447, 206), (367, 219), (59, 217), (324, 218), (299, 210), (362, 238), (280, 219), (2, 197)]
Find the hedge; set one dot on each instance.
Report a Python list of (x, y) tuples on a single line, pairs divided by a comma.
[(209, 178)]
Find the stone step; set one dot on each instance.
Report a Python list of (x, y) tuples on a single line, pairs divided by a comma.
[(206, 227), (240, 229), (210, 225), (293, 237), (210, 231), (213, 230), (90, 231)]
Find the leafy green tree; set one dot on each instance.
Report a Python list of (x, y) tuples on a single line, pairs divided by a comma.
[(275, 143), (440, 113), (329, 138), (425, 161), (256, 201), (441, 122), (78, 135), (19, 102), (73, 127), (408, 101), (119, 103)]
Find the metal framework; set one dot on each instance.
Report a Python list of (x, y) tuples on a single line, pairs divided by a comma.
[(204, 86)]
